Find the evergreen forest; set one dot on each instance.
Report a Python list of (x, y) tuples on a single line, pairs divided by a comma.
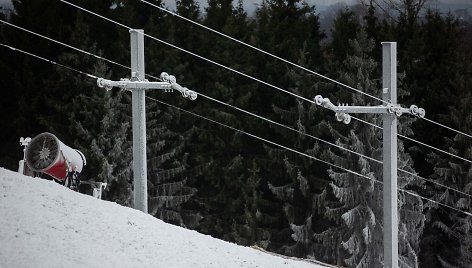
[(205, 173)]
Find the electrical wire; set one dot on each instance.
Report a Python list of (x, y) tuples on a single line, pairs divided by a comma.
[(329, 143), (418, 142), (437, 149), (258, 80), (289, 62), (72, 47), (192, 53), (235, 71), (263, 51), (247, 133), (361, 155), (50, 61), (447, 127), (434, 182), (306, 155), (64, 44), (289, 128)]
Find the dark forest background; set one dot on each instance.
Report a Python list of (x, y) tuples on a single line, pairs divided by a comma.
[(220, 182)]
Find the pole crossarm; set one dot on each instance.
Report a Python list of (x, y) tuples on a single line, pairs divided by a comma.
[(169, 84), (343, 111)]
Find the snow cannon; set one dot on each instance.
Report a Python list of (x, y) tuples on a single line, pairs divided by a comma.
[(47, 154)]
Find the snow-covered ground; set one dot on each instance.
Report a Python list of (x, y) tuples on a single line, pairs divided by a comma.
[(43, 224)]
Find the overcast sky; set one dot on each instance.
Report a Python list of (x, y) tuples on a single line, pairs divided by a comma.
[(250, 5)]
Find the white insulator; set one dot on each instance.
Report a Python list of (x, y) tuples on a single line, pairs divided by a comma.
[(319, 100), (185, 92), (171, 79), (421, 112), (193, 95), (391, 108), (164, 76), (340, 117), (100, 82), (347, 119), (414, 110)]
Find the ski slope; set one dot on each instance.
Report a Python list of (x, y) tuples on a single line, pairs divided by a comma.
[(43, 224)]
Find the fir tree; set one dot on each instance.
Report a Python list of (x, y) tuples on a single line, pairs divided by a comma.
[(447, 238), (289, 178), (167, 163)]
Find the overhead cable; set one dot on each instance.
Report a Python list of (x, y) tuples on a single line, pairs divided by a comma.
[(329, 143), (64, 44), (71, 47), (50, 61), (231, 69), (367, 157), (447, 127), (290, 62), (418, 142), (263, 51), (306, 155), (249, 134)]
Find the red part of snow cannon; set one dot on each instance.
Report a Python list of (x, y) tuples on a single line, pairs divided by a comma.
[(47, 154)]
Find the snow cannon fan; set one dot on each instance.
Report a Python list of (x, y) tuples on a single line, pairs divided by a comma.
[(47, 154)]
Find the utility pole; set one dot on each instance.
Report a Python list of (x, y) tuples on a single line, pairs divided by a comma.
[(137, 84), (389, 111), (139, 122), (390, 151)]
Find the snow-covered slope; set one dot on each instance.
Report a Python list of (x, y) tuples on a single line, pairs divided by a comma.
[(43, 224)]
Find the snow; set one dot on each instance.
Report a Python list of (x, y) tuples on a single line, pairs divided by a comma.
[(43, 224)]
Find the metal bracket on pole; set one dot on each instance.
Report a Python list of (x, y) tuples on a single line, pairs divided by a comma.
[(343, 111), (186, 93), (168, 85)]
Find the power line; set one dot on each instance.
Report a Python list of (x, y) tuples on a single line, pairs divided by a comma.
[(289, 62), (263, 51), (64, 44), (434, 182), (418, 142), (268, 141), (289, 128), (447, 127), (329, 143), (192, 53), (50, 61), (215, 100), (258, 80), (439, 150), (367, 157), (71, 47), (306, 155), (228, 68), (372, 159), (249, 134)]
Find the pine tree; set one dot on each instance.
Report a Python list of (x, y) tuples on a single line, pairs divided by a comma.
[(218, 154), (294, 180), (23, 90), (167, 184), (448, 234), (290, 179)]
